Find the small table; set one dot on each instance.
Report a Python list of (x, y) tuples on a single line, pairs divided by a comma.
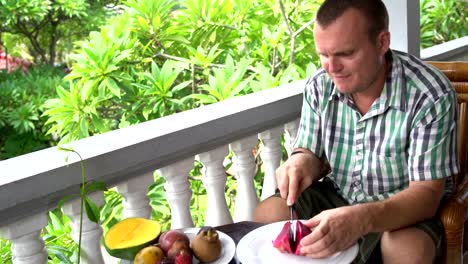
[(237, 231)]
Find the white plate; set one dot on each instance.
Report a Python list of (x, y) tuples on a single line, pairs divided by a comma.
[(257, 248), (228, 246)]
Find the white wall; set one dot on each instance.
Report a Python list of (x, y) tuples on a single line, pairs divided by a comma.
[(404, 25)]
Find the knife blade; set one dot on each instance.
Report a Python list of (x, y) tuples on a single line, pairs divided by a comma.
[(292, 228)]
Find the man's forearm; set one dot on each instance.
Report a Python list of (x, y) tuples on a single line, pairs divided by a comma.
[(408, 207)]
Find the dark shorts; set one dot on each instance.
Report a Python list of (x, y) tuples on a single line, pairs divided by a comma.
[(322, 195)]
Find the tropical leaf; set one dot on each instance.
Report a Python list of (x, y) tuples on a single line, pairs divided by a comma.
[(92, 211)]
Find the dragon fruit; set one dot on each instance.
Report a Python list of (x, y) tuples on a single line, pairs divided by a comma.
[(282, 240)]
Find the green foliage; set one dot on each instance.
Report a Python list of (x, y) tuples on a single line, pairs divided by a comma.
[(48, 28), (160, 89), (97, 85), (22, 96), (5, 251), (157, 59), (265, 79), (111, 211), (442, 20), (225, 83), (60, 246), (161, 211)]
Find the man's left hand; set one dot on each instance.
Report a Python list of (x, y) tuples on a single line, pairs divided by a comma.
[(333, 231)]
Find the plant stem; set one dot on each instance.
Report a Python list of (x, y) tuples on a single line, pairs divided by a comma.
[(82, 195), (83, 174), (292, 34)]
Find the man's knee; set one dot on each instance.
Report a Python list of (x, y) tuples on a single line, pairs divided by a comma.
[(409, 245), (272, 209)]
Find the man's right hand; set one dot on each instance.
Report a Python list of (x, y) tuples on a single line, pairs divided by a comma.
[(296, 174)]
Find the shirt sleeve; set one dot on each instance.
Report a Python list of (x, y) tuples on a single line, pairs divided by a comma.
[(310, 131), (433, 151)]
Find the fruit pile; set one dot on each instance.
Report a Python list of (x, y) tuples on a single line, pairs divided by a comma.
[(174, 247), (141, 240)]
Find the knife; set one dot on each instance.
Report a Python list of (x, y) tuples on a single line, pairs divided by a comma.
[(292, 229)]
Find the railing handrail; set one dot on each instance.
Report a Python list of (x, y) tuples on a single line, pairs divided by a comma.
[(35, 182), (457, 48)]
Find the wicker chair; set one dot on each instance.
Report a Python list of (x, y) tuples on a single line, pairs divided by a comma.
[(453, 212)]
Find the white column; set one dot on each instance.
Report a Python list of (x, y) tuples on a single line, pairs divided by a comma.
[(178, 192), (291, 133), (244, 162), (27, 245), (404, 25), (91, 232), (135, 193), (271, 157), (214, 179)]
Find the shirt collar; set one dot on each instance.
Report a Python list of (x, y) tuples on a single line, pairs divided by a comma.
[(394, 92)]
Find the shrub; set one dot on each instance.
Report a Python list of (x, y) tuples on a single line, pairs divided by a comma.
[(22, 96)]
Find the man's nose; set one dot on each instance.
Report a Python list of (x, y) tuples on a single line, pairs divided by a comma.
[(334, 65)]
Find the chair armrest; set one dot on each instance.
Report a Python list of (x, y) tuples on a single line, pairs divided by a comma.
[(452, 215), (462, 193)]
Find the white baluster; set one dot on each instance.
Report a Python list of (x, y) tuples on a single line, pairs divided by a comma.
[(291, 132), (178, 192), (214, 179), (244, 162), (27, 245), (91, 232), (135, 192), (271, 157)]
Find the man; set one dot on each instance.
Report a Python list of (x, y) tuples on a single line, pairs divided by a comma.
[(386, 123)]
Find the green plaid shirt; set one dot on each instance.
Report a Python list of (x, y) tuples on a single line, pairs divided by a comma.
[(408, 134)]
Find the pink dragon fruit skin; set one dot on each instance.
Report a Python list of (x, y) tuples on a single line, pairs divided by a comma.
[(282, 242), (301, 231)]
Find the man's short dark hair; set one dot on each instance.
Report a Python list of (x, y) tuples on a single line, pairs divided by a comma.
[(374, 11)]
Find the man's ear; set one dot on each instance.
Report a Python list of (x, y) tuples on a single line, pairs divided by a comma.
[(383, 41)]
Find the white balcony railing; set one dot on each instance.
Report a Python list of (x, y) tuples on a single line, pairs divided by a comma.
[(31, 185)]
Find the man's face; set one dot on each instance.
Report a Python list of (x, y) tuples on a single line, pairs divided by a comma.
[(351, 59)]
